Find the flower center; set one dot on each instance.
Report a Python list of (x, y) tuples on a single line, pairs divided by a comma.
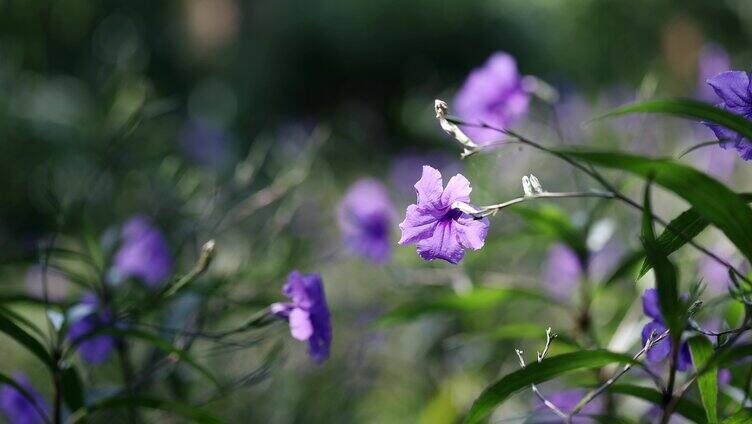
[(451, 215)]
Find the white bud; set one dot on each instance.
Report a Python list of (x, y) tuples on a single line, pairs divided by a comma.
[(56, 318), (527, 188), (536, 184), (442, 109), (464, 207)]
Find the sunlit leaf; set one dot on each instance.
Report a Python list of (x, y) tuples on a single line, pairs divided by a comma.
[(538, 372), (742, 417), (25, 339), (477, 299), (702, 351), (711, 199), (682, 228)]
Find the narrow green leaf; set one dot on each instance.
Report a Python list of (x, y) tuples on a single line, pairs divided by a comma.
[(742, 417), (684, 227), (711, 199), (685, 407), (73, 392), (731, 355), (538, 372), (6, 379), (689, 109), (479, 298), (180, 409), (702, 351), (665, 272), (625, 268), (26, 340)]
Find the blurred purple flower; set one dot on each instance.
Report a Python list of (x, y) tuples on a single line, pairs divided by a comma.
[(724, 377), (563, 271), (406, 168), (87, 317), (714, 274), (308, 313), (713, 60), (566, 400), (662, 349), (204, 142), (144, 252), (733, 87), (365, 217), (57, 283), (440, 231), (492, 94), (17, 408)]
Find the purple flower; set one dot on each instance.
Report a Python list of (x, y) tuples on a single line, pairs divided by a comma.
[(365, 217), (204, 142), (492, 94), (712, 61), (88, 317), (17, 408), (733, 87), (308, 313), (662, 349), (440, 231), (563, 271), (566, 400), (144, 253)]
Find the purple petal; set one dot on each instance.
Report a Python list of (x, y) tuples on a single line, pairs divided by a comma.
[(650, 305), (563, 271), (443, 244), (430, 188), (365, 217), (144, 252), (457, 190), (471, 232), (418, 225), (733, 88), (301, 327), (17, 408), (685, 358)]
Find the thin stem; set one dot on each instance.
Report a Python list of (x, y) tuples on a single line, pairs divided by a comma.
[(652, 340), (668, 394), (540, 357), (608, 186), (492, 209)]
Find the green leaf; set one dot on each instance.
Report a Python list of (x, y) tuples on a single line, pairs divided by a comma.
[(180, 409), (665, 272), (731, 355), (73, 392), (689, 109), (26, 340), (538, 372), (702, 351), (479, 298), (5, 379), (685, 407), (742, 417), (712, 200), (684, 227)]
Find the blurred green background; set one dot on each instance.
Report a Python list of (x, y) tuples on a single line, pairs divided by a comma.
[(100, 102)]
